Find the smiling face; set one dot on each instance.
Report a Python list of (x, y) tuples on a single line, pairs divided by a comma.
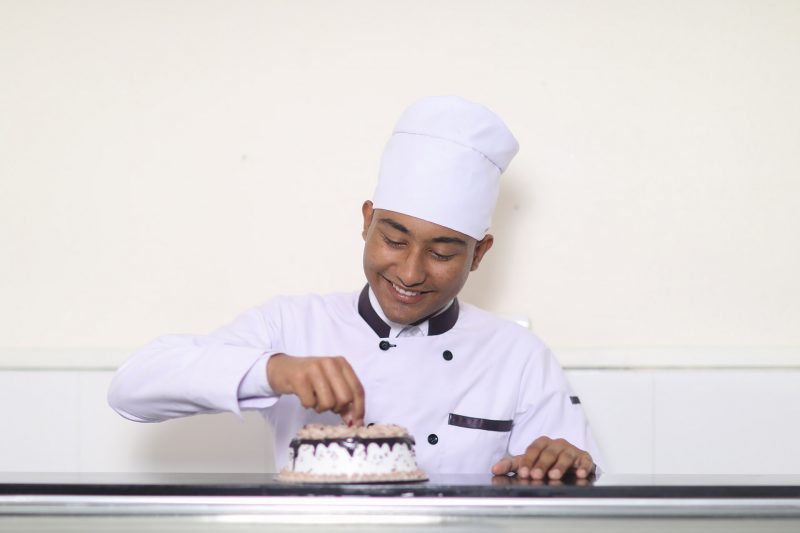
[(416, 267)]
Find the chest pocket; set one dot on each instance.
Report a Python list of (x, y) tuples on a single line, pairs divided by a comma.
[(501, 426), (474, 444)]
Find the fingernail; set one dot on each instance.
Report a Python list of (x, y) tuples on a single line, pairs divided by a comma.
[(523, 472), (537, 473), (581, 472), (554, 474)]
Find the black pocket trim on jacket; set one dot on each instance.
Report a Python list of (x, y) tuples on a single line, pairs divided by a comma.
[(479, 423)]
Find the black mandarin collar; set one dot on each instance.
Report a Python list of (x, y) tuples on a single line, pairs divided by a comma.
[(437, 325)]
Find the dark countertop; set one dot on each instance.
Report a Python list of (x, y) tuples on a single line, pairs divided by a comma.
[(244, 503), (447, 486)]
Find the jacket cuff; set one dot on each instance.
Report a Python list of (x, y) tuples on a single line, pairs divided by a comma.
[(254, 391)]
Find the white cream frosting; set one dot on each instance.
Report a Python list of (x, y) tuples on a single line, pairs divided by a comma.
[(361, 455)]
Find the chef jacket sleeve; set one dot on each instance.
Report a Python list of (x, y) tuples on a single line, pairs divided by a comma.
[(546, 408), (254, 384), (181, 375)]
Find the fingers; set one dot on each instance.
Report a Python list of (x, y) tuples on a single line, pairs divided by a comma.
[(552, 458), (356, 408), (304, 391), (564, 462), (320, 383), (348, 393), (535, 457), (584, 465), (504, 466)]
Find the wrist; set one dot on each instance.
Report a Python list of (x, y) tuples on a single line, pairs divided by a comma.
[(274, 372)]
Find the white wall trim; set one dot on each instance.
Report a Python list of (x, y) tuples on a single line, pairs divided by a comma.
[(681, 357), (61, 359)]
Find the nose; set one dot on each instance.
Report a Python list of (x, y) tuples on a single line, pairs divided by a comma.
[(411, 271)]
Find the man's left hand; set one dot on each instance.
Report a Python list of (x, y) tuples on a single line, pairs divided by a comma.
[(547, 458)]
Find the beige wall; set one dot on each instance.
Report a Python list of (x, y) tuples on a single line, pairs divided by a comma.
[(164, 165)]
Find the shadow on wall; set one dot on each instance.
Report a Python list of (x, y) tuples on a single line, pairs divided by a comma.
[(209, 443), (485, 285)]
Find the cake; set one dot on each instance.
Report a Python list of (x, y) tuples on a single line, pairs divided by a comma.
[(342, 454)]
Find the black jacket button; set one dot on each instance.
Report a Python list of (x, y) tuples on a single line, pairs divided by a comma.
[(448, 355), (432, 438), (385, 345)]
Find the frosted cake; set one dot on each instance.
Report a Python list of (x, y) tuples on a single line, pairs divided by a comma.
[(341, 454)]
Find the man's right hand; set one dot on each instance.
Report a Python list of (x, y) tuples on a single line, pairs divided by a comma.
[(320, 383)]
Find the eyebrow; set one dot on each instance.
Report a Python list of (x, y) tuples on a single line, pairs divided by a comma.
[(396, 225), (401, 228), (450, 240)]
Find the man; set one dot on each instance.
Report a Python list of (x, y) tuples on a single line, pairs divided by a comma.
[(479, 393)]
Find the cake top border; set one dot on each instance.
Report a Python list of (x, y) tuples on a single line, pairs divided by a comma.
[(374, 431)]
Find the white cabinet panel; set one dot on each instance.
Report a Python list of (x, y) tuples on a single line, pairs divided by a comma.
[(618, 404), (205, 443), (39, 413), (662, 421), (727, 421)]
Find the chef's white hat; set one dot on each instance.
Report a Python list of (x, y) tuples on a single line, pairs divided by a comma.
[(443, 164)]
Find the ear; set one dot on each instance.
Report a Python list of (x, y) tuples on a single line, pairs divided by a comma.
[(481, 247), (366, 211)]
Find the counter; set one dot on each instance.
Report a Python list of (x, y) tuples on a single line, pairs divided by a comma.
[(236, 502)]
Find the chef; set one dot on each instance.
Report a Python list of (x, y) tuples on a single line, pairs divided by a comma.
[(480, 394)]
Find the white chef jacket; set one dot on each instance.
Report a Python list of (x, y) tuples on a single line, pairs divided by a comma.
[(475, 389)]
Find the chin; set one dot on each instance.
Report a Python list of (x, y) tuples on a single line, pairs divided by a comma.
[(399, 318), (408, 316), (398, 315)]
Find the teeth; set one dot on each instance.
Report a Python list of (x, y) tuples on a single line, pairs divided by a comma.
[(403, 291)]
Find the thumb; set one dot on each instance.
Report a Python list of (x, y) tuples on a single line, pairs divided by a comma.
[(504, 466)]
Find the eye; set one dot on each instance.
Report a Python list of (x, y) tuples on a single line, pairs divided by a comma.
[(391, 243), (441, 257)]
